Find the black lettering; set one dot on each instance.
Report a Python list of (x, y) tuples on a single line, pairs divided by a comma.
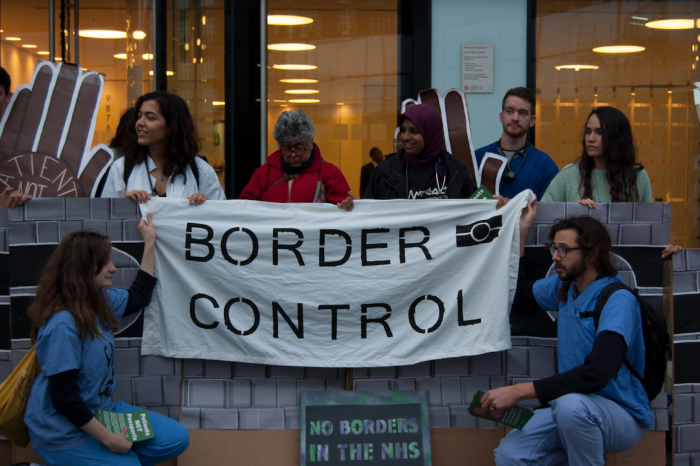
[(403, 245), (380, 320), (366, 246), (292, 247), (193, 313), (253, 252), (460, 315), (297, 329), (205, 241), (412, 313), (322, 243), (334, 316), (227, 319)]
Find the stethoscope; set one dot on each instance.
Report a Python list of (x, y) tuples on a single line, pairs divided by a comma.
[(522, 152), (437, 181), (172, 182)]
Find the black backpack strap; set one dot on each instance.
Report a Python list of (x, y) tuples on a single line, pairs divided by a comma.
[(128, 168), (103, 181), (195, 171)]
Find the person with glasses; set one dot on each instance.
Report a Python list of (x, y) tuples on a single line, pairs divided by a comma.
[(296, 172), (527, 167)]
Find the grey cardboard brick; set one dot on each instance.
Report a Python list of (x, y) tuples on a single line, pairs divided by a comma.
[(21, 233), (162, 410), (684, 282), (451, 391), (99, 226), (4, 218), (246, 370), (542, 361), (422, 369), (600, 212), (171, 390), (126, 362), (115, 230), (206, 393), (487, 364), (498, 381), (122, 259), (520, 341), (122, 390), (21, 343), (534, 341), (693, 258), (696, 408), (382, 372), (628, 278), (681, 459), (309, 385), (371, 385), (531, 238), (15, 214), (264, 393), (190, 418), (549, 212), (47, 232), (213, 418), (287, 393), (193, 368), (439, 417), (128, 276), (4, 241), (156, 365), (335, 385), (5, 355), (47, 208), (123, 208), (78, 208), (433, 387), (518, 361), (660, 402), (460, 417), (679, 261), (648, 213), (660, 234), (405, 385), (131, 230), (217, 369), (621, 212), (5, 370), (271, 418), (99, 209), (574, 209), (322, 373), (667, 213), (614, 232), (543, 233), (248, 419), (689, 438), (685, 388), (286, 372), (121, 343), (471, 385), (452, 367), (292, 418), (148, 391), (485, 423), (683, 409), (695, 459), (238, 393), (635, 235), (69, 226), (660, 419)]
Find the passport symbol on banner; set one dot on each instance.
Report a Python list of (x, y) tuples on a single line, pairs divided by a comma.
[(483, 231)]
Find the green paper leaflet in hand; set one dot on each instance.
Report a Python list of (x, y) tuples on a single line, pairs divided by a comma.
[(481, 193), (515, 417), (138, 423)]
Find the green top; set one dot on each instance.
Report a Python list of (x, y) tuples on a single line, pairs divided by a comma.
[(565, 186)]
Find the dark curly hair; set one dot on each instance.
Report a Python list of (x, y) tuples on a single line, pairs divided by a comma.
[(618, 153), (183, 143), (125, 129), (593, 238)]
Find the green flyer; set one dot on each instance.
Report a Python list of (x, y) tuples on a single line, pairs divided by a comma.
[(138, 423), (516, 417), (481, 193)]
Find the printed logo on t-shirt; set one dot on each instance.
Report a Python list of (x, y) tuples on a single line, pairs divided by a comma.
[(107, 384), (430, 193)]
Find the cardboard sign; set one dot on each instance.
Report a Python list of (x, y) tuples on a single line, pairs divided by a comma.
[(383, 428), (138, 423)]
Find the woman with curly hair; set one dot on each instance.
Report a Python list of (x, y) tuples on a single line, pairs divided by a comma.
[(162, 159), (606, 171)]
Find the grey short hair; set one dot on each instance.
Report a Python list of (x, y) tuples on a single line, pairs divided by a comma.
[(293, 126)]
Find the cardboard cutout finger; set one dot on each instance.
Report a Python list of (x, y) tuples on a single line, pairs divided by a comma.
[(14, 115), (492, 166), (34, 109), (81, 117), (56, 115), (457, 131), (99, 160)]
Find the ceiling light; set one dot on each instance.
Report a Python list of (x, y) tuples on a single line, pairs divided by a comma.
[(299, 81), (43, 53), (290, 47), (29, 46), (199, 42), (120, 56), (194, 60), (204, 20), (167, 73), (284, 105), (138, 35), (304, 101), (294, 67), (204, 46), (619, 49), (340, 103), (671, 24), (13, 38), (301, 91), (288, 20), (283, 101), (217, 103), (641, 18), (102, 34), (147, 56), (187, 47), (577, 67), (58, 58)]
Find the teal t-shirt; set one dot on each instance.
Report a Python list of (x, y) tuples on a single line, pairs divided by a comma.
[(59, 349)]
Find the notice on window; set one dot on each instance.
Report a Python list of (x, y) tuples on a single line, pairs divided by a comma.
[(477, 69)]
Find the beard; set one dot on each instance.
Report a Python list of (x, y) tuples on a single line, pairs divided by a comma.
[(572, 272), (514, 131)]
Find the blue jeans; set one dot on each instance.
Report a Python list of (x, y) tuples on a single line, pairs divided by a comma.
[(576, 431), (170, 441)]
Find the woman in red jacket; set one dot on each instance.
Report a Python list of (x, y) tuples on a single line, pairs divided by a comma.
[(297, 172)]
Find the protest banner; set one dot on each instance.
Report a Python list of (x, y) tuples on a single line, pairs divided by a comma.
[(390, 283)]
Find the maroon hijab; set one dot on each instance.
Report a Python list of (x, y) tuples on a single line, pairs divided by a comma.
[(429, 123)]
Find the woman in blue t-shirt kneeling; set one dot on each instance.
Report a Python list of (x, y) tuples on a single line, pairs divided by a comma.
[(74, 316)]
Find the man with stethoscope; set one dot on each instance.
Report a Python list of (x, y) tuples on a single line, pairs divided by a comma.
[(527, 167)]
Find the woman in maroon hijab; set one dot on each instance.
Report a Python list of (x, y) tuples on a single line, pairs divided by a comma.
[(422, 169)]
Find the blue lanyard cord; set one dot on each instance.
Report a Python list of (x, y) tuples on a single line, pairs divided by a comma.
[(172, 182)]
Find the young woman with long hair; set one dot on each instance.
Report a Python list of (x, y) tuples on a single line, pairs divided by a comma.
[(161, 160), (606, 171), (74, 317)]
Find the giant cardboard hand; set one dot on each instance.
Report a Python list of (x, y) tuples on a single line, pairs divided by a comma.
[(458, 137), (45, 134)]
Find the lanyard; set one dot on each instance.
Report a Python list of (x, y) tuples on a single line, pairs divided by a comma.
[(510, 174), (444, 176), (172, 182)]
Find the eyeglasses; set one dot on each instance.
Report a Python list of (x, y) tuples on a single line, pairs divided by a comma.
[(297, 148), (561, 250)]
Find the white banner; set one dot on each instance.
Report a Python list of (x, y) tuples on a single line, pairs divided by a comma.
[(390, 283)]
